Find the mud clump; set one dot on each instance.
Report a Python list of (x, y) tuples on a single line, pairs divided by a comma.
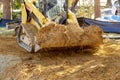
[(56, 35)]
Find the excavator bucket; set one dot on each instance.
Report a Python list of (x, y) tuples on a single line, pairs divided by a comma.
[(55, 28), (70, 35)]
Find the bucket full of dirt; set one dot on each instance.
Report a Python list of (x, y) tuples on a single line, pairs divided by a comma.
[(70, 35)]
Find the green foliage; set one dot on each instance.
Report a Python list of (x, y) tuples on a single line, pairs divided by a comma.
[(0, 15), (16, 4), (16, 15), (87, 11)]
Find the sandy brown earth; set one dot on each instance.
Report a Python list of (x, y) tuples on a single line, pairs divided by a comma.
[(57, 35), (17, 64)]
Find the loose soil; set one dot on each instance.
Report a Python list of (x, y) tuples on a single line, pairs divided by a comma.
[(17, 64), (56, 35)]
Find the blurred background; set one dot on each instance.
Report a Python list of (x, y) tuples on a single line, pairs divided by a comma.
[(10, 9)]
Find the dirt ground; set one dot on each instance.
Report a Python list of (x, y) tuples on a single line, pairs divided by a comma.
[(17, 64)]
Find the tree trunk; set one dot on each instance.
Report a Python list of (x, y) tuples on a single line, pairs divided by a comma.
[(109, 4), (119, 2), (118, 8), (7, 9), (73, 5), (97, 8)]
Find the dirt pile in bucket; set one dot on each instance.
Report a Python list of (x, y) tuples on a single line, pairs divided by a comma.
[(56, 35)]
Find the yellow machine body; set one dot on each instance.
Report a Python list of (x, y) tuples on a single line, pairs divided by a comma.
[(39, 15), (34, 21)]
